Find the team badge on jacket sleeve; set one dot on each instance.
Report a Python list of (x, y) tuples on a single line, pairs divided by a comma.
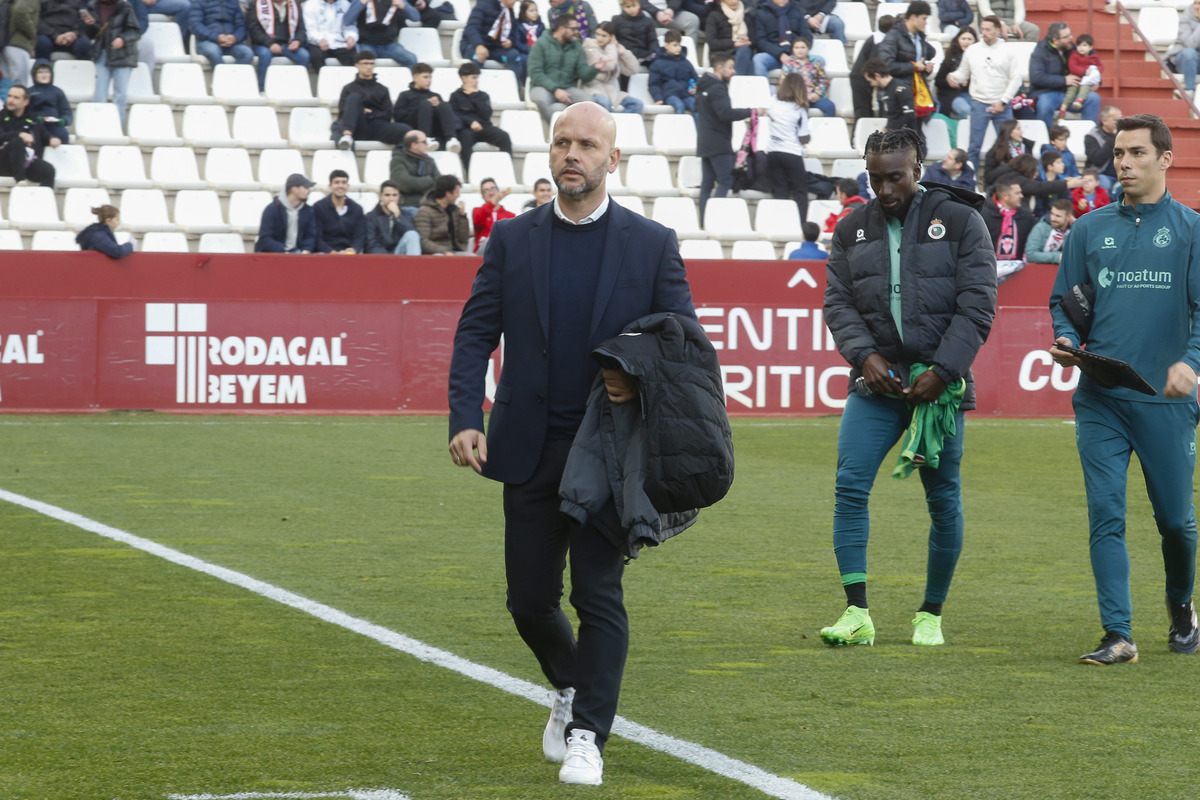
[(1163, 237), (937, 229)]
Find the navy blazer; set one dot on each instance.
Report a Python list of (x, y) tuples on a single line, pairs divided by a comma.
[(641, 273)]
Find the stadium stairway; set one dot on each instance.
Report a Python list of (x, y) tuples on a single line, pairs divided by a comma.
[(1136, 78)]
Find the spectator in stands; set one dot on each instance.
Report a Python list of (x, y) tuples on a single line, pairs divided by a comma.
[(672, 76), (612, 61), (1059, 135), (424, 109), (1050, 168), (528, 27), (49, 103), (442, 219), (1012, 17), (543, 192), (860, 90), (1023, 171), (776, 25), (905, 49), (809, 250), (473, 110), (413, 170), (1048, 236), (1050, 74), (1085, 65), (328, 34), (220, 30), (178, 10), (846, 192), (276, 28), (895, 96), (955, 15), (115, 33), (556, 66), (954, 100), (489, 212), (389, 229), (637, 32), (1098, 147), (379, 23), (340, 222), (1010, 143), (19, 38), (953, 170), (727, 28), (287, 224), (579, 10), (1090, 195), (1184, 54), (993, 77), (714, 128), (1009, 222), (812, 69), (365, 108), (489, 36), (60, 29), (821, 19), (101, 235), (678, 15), (788, 127), (23, 139)]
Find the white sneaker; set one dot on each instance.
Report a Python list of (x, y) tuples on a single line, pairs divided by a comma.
[(583, 763), (554, 740), (346, 142), (452, 145), (433, 144)]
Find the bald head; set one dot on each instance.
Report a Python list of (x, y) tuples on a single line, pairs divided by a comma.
[(590, 117)]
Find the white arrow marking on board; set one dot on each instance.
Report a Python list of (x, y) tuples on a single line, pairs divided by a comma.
[(802, 276), (351, 794)]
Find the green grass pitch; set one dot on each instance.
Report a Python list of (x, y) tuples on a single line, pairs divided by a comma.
[(125, 676)]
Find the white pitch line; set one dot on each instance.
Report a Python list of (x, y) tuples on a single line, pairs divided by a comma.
[(704, 757), (349, 794)]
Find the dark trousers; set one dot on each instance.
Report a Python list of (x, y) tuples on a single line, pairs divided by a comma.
[(537, 539), (862, 95), (317, 56), (436, 121), (718, 170), (81, 48), (490, 134), (789, 178), (374, 127), (12, 165)]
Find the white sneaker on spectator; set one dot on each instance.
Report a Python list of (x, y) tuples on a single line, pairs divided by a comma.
[(346, 142), (582, 763), (434, 144), (554, 739), (452, 145)]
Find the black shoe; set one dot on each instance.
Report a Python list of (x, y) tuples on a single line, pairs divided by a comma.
[(1114, 649), (1184, 635)]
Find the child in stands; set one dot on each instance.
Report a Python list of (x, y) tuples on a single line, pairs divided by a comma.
[(1085, 65)]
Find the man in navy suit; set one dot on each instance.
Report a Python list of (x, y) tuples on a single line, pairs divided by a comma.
[(556, 282)]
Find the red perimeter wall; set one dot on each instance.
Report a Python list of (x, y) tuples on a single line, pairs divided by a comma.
[(373, 334)]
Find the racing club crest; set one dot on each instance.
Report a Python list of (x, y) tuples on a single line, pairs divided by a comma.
[(937, 229), (1163, 237)]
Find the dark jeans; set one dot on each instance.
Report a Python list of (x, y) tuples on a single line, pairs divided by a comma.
[(12, 165), (715, 169), (789, 178), (374, 128), (436, 121), (490, 134), (862, 95), (317, 56), (537, 538), (81, 48)]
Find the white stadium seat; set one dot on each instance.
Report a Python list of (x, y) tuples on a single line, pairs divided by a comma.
[(856, 19), (274, 166), (777, 220), (309, 128), (76, 78), (53, 240), (378, 167), (198, 211), (728, 219), (525, 129), (98, 124), (221, 243), (33, 208), (833, 53), (257, 128), (141, 85), (863, 128), (236, 85), (288, 85), (122, 167), (830, 138), (649, 176), (168, 43), (679, 214), (396, 79), (144, 210), (819, 211), (174, 168), (688, 178), (330, 82), (326, 161), (153, 125), (701, 250), (228, 169), (498, 166), (631, 134), (1160, 26), (425, 44), (78, 204), (639, 87), (632, 202), (164, 242), (71, 166), (183, 84), (753, 251), (11, 240), (675, 134), (245, 210), (750, 91), (206, 126), (501, 86), (449, 163)]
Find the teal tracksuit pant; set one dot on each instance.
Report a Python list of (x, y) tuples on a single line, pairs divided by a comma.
[(1107, 430)]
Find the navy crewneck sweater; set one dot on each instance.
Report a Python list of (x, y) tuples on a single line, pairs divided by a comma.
[(576, 253)]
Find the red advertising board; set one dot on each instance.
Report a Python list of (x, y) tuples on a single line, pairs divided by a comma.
[(373, 334)]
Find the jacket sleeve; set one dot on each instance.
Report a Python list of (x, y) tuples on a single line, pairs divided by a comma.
[(1034, 244), (306, 230), (671, 289), (628, 63), (270, 234), (715, 30), (358, 237), (24, 19), (477, 335), (239, 26), (537, 67), (657, 79), (889, 53), (1044, 73), (473, 31), (425, 222), (1092, 148), (374, 224), (197, 24), (318, 218), (584, 71), (975, 303), (1191, 353), (724, 109), (764, 33), (462, 232), (849, 330)]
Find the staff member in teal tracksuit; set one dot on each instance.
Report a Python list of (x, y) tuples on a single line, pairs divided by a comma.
[(1142, 258)]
